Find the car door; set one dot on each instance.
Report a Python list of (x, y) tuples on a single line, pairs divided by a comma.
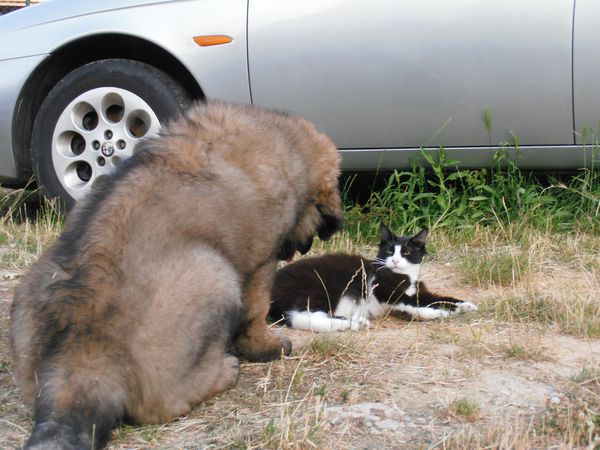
[(410, 73), (586, 49)]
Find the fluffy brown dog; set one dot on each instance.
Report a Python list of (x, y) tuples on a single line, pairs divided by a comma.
[(131, 312)]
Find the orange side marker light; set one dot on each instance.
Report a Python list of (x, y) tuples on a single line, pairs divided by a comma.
[(215, 39)]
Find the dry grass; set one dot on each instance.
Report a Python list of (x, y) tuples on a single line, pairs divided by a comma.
[(27, 227), (545, 278), (569, 420), (521, 373)]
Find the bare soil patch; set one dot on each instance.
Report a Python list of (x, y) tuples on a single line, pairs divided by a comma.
[(467, 381)]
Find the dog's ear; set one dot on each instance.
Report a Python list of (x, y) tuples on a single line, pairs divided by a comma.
[(286, 250), (329, 224)]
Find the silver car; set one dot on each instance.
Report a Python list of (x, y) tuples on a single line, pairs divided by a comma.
[(83, 81)]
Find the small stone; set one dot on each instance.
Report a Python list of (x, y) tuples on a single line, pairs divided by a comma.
[(554, 398), (7, 276), (371, 419), (369, 414), (388, 425)]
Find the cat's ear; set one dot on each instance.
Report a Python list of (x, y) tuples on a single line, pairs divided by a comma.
[(421, 237), (385, 233)]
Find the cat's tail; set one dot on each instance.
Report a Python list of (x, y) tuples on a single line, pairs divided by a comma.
[(452, 304), (78, 411)]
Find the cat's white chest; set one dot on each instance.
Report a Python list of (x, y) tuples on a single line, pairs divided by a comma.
[(414, 272)]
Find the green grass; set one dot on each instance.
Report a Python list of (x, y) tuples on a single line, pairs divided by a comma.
[(457, 201), (523, 350), (464, 409), (336, 345), (587, 375), (4, 366), (505, 266)]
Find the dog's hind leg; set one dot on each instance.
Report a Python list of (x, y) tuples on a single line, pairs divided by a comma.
[(184, 334), (217, 373), (229, 375)]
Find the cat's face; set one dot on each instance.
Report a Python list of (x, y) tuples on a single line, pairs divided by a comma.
[(401, 254)]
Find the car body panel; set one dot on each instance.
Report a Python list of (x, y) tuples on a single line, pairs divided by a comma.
[(566, 157), (421, 74), (220, 71), (14, 74), (223, 70), (586, 50), (383, 78), (56, 11), (26, 23)]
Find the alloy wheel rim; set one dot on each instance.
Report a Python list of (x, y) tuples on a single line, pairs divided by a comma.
[(98, 130)]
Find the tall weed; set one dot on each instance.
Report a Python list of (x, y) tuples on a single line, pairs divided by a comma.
[(446, 197), (28, 225)]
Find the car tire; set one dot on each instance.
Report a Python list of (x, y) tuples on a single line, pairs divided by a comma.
[(93, 119)]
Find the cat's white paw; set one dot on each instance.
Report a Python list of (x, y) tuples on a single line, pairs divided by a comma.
[(427, 313), (466, 307), (444, 313), (358, 322)]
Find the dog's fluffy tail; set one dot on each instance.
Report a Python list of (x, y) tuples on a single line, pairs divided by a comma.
[(77, 412)]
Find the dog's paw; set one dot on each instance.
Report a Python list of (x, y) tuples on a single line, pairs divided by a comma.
[(263, 347), (231, 371)]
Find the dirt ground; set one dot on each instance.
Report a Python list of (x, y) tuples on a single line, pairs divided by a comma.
[(464, 382)]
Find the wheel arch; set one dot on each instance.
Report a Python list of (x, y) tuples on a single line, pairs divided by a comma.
[(76, 54)]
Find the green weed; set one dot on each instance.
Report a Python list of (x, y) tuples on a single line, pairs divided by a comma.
[(464, 409), (333, 345), (446, 197), (4, 366), (504, 267), (587, 375)]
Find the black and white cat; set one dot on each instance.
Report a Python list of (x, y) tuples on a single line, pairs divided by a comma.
[(337, 292)]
